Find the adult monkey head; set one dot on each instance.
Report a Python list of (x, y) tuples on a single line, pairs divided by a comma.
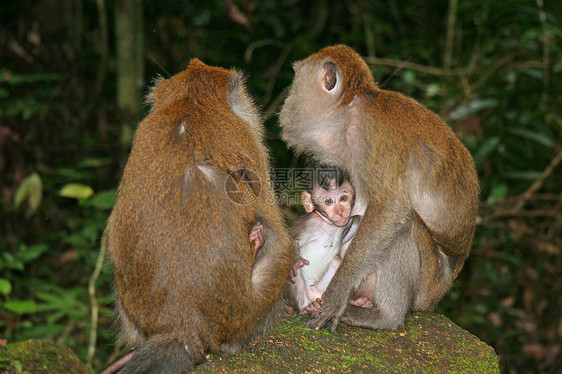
[(416, 182)]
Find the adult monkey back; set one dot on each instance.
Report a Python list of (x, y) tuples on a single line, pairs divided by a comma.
[(418, 182), (188, 277)]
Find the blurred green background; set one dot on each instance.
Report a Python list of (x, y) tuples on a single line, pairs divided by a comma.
[(72, 77)]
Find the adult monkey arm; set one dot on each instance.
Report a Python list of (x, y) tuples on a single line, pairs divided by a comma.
[(358, 265)]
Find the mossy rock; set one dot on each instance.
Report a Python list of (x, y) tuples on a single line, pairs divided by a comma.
[(428, 343), (37, 356)]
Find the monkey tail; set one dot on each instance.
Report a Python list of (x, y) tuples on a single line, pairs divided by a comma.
[(159, 355)]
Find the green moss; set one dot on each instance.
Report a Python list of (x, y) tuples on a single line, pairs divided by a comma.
[(428, 343), (37, 356)]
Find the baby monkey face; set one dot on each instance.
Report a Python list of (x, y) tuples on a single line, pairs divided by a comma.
[(335, 203)]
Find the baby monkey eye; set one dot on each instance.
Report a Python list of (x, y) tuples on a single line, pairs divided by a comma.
[(344, 198), (329, 201)]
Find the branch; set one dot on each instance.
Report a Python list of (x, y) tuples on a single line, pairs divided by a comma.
[(413, 66), (102, 64), (236, 15), (275, 104), (488, 74), (275, 72), (258, 44), (93, 300), (545, 48), (451, 20), (538, 183), (519, 201)]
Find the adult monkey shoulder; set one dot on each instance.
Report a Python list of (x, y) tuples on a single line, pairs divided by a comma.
[(418, 181), (187, 274)]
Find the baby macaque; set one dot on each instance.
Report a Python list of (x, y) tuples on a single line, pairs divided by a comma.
[(322, 237)]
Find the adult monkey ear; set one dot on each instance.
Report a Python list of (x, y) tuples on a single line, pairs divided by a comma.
[(329, 77), (307, 201)]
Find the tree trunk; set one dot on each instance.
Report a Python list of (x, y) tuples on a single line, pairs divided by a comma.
[(130, 61)]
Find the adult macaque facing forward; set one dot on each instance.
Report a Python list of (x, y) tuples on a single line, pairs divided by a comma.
[(418, 180), (191, 213)]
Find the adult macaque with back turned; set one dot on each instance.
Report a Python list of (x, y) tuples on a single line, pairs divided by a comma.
[(321, 236), (417, 179), (198, 266)]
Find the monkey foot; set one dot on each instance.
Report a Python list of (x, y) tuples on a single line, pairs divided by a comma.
[(257, 236), (290, 309), (314, 307), (363, 302)]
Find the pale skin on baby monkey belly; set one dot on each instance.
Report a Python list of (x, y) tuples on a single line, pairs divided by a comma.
[(363, 297)]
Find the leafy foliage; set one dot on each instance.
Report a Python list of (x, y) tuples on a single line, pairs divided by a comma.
[(496, 83)]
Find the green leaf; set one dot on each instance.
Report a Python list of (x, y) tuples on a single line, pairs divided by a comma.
[(432, 90), (126, 137), (73, 174), (104, 200), (42, 330), (535, 73), (21, 306), (9, 262), (486, 149), (534, 136), (76, 191), (499, 192), (63, 303), (30, 253), (30, 189), (480, 308), (409, 78), (526, 175), (5, 286), (76, 240), (17, 79), (509, 259), (469, 109), (17, 365), (94, 162), (30, 111)]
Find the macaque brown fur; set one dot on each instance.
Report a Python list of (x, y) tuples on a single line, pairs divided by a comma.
[(188, 279), (416, 179)]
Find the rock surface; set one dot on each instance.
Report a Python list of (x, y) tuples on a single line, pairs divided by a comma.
[(428, 343), (36, 356)]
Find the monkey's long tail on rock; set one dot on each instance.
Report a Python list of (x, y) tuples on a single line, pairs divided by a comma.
[(159, 356), (118, 364)]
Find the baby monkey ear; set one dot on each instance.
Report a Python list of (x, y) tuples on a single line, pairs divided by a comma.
[(307, 201)]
